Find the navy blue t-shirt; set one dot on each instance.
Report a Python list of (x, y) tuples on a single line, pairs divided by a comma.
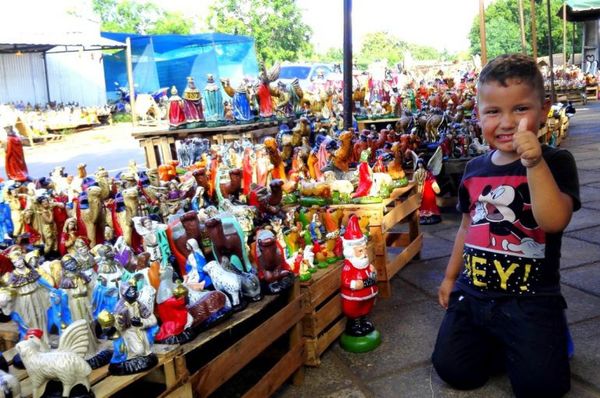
[(506, 253)]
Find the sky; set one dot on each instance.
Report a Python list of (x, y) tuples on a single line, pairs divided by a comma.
[(442, 24)]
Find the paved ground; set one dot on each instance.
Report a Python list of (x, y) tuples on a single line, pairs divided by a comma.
[(108, 146), (409, 321)]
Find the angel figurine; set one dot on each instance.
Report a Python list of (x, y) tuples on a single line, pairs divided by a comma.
[(427, 186)]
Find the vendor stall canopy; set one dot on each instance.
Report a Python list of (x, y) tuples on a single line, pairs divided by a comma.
[(167, 60), (581, 10)]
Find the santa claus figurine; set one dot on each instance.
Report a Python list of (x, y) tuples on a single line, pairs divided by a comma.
[(358, 290)]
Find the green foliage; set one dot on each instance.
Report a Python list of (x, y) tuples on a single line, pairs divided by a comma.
[(503, 32), (380, 46), (276, 26), (129, 16), (121, 117)]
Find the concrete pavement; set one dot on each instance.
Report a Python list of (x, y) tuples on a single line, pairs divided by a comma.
[(409, 320)]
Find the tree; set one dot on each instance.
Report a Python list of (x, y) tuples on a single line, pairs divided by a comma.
[(276, 26), (380, 46), (128, 16), (503, 32)]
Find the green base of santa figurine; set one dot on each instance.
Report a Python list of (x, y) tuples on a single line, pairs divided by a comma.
[(359, 344)]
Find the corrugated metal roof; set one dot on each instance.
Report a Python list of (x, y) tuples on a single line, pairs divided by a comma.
[(43, 41)]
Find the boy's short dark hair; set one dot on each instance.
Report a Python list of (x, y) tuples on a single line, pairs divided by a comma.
[(513, 66)]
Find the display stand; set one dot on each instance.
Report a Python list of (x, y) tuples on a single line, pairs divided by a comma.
[(199, 367), (385, 221), (159, 144), (323, 320), (217, 355)]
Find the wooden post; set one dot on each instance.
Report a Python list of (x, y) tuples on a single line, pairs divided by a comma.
[(565, 36), (551, 52), (533, 31), (129, 62), (347, 64), (482, 32), (522, 27)]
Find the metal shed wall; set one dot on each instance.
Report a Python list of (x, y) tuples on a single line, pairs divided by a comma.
[(22, 78), (77, 77), (72, 77)]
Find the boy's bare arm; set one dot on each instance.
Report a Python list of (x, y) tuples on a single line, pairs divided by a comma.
[(552, 209), (455, 263)]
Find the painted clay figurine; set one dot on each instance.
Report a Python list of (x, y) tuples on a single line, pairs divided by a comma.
[(65, 364), (132, 318), (358, 291)]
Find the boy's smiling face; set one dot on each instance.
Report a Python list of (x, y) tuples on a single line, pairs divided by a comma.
[(501, 108)]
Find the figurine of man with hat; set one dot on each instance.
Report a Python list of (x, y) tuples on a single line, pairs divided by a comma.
[(358, 290)]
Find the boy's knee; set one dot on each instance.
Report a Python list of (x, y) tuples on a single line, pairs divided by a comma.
[(542, 386), (457, 376)]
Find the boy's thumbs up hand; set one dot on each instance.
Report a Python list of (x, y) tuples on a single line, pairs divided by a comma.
[(526, 144)]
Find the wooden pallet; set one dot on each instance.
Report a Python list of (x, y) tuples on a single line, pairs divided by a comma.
[(323, 320), (106, 385), (283, 320), (385, 218)]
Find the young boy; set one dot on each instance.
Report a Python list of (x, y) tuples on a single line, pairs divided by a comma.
[(502, 284)]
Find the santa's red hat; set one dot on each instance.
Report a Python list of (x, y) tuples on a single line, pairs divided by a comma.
[(353, 235), (34, 333)]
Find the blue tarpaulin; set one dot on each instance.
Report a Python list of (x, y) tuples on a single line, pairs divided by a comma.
[(167, 60)]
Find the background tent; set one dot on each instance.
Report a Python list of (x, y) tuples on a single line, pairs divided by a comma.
[(167, 60)]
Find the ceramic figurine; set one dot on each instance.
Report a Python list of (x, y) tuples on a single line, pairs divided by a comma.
[(192, 103), (227, 239), (342, 156), (76, 285), (358, 290), (273, 271), (395, 167), (48, 225), (149, 230), (32, 292), (424, 176), (333, 242), (227, 282), (65, 364), (240, 100), (175, 111), (14, 160), (124, 214), (105, 292), (278, 166), (91, 213), (195, 265), (175, 319), (264, 92), (213, 99), (230, 190), (85, 259), (66, 241), (132, 318), (365, 176)]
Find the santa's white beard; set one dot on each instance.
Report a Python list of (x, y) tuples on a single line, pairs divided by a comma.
[(360, 263)]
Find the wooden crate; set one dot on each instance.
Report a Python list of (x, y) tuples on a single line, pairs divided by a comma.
[(323, 320), (591, 93), (106, 385), (283, 321), (385, 220), (9, 335)]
